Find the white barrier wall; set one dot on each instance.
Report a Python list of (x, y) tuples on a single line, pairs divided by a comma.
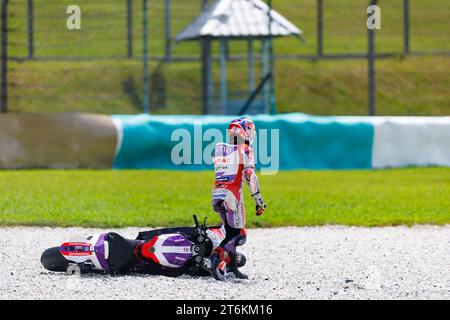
[(411, 141)]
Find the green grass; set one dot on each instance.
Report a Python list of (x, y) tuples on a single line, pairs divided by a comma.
[(165, 198), (409, 86)]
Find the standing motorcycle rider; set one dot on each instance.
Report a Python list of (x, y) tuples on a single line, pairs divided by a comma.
[(233, 163)]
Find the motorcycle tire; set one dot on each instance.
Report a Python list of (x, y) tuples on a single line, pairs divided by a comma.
[(53, 260)]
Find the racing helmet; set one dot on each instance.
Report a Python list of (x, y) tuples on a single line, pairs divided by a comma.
[(243, 128)]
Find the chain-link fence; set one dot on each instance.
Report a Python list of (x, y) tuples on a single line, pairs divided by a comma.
[(98, 68), (101, 66)]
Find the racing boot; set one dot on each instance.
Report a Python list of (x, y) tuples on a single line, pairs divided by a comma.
[(235, 263)]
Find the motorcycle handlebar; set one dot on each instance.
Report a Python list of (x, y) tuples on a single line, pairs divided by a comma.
[(196, 220)]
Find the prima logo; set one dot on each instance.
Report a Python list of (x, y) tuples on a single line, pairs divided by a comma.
[(73, 22), (374, 19), (191, 150)]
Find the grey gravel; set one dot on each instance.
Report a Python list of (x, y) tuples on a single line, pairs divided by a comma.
[(332, 262)]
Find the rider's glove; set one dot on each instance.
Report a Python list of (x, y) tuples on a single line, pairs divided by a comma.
[(260, 210), (260, 205)]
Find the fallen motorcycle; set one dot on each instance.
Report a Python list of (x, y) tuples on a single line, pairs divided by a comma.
[(167, 251)]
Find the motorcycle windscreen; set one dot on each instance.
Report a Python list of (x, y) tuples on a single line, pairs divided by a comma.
[(168, 250)]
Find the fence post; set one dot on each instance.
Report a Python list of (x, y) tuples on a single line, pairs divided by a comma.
[(264, 73), (146, 100), (406, 26), (223, 76), (272, 107), (251, 66), (207, 81), (319, 28), (130, 28), (4, 58), (371, 64), (168, 48), (30, 30)]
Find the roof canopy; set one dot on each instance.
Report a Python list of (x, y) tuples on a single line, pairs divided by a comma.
[(237, 19)]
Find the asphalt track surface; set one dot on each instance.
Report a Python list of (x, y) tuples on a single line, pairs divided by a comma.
[(332, 262)]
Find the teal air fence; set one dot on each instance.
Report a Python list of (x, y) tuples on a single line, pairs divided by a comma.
[(286, 141)]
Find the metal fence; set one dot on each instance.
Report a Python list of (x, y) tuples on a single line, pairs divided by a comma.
[(124, 60)]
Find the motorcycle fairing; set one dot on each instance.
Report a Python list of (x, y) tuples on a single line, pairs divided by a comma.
[(216, 234), (168, 250)]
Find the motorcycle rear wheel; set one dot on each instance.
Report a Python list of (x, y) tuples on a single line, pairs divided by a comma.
[(53, 260)]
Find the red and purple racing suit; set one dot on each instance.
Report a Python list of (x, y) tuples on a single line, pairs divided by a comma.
[(233, 164)]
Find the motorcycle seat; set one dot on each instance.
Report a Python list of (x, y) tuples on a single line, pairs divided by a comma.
[(121, 252)]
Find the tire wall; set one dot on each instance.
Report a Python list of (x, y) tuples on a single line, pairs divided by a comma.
[(56, 141), (411, 141), (300, 141), (144, 141)]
